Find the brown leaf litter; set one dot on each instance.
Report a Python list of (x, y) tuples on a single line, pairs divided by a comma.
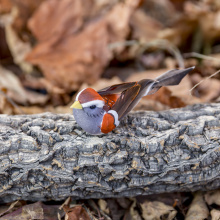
[(76, 54)]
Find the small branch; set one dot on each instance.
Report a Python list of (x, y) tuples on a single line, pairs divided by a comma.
[(200, 56), (203, 81)]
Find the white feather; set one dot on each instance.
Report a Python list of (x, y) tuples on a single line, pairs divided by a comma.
[(98, 103), (115, 114), (79, 94), (148, 89)]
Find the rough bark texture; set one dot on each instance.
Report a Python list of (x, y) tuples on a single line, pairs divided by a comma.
[(47, 156)]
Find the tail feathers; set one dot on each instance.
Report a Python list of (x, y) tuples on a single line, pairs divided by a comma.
[(172, 77), (132, 95)]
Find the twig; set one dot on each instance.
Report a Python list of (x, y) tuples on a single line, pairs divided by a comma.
[(203, 81), (201, 56)]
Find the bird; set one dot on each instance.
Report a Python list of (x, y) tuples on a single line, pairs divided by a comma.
[(99, 112)]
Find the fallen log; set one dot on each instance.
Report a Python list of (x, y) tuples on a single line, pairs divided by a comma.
[(47, 156)]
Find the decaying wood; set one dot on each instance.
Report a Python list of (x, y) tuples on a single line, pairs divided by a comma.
[(47, 156)]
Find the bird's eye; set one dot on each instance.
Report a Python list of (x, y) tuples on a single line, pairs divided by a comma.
[(93, 106)]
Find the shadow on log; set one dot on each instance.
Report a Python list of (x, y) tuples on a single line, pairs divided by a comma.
[(47, 156)]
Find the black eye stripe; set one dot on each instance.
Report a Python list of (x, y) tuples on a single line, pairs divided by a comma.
[(93, 106)]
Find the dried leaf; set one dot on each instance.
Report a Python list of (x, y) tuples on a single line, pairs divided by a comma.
[(178, 4), (157, 210), (144, 27), (5, 106), (198, 209), (15, 215), (33, 211), (56, 95), (66, 203), (163, 11), (103, 206), (7, 209), (52, 211), (164, 95), (18, 48), (15, 90), (75, 213), (5, 6), (172, 199), (209, 24), (80, 57), (51, 14), (180, 31), (213, 197), (215, 214), (133, 210), (10, 81), (35, 98), (212, 62), (206, 19), (25, 10)]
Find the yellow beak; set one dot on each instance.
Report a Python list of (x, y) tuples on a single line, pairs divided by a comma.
[(77, 105)]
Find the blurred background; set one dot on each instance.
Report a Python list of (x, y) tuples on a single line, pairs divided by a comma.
[(51, 49)]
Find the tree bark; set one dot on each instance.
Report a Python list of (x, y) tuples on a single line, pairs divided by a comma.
[(47, 156)]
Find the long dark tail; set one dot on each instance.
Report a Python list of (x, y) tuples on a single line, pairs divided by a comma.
[(131, 96), (170, 78)]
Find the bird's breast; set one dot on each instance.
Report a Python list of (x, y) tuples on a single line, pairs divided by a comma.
[(90, 124)]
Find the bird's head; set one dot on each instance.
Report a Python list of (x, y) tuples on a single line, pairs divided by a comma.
[(88, 110)]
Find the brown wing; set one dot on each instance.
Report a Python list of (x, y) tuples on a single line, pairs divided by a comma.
[(115, 89), (134, 91), (125, 100)]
